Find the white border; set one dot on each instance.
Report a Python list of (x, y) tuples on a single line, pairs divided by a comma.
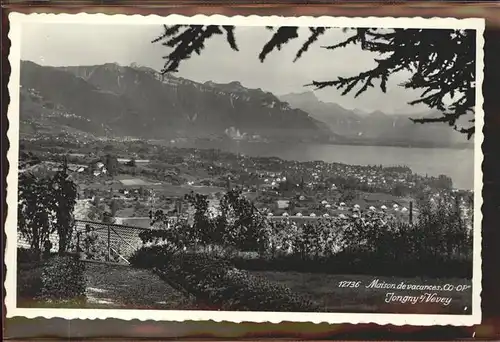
[(16, 22)]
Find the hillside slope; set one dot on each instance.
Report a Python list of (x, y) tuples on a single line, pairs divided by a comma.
[(138, 101)]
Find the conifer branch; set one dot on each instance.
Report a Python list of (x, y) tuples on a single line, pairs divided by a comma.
[(441, 61)]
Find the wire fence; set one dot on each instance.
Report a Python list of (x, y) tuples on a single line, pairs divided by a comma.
[(98, 241), (105, 241)]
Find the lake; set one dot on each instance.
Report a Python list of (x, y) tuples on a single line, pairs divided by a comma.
[(455, 163)]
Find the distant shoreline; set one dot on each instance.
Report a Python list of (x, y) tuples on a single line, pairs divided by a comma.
[(403, 145), (462, 146)]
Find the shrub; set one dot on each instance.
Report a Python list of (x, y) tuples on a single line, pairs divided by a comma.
[(152, 256), (27, 255), (29, 282), (176, 233), (63, 279), (216, 282)]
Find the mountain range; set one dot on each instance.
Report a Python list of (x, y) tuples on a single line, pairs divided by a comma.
[(357, 126), (137, 101), (114, 100)]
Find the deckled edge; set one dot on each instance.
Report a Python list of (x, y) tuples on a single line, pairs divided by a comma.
[(256, 20), (477, 270), (16, 20), (10, 226)]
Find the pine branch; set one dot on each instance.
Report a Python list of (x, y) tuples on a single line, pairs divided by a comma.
[(282, 36), (351, 40), (315, 33), (230, 37), (169, 31)]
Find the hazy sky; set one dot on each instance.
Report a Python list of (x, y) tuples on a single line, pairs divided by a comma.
[(80, 44)]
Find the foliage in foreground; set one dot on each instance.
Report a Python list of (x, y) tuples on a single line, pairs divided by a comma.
[(366, 241), (55, 280), (217, 282)]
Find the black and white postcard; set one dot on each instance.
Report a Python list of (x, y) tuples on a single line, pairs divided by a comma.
[(259, 169)]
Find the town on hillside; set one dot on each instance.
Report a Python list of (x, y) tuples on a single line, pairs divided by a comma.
[(130, 178)]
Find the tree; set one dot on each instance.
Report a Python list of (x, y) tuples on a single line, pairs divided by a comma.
[(202, 228), (46, 205), (64, 193), (108, 218), (34, 214), (243, 223), (111, 163), (441, 62), (347, 196), (114, 207)]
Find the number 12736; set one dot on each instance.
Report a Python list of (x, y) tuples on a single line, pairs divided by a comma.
[(353, 284)]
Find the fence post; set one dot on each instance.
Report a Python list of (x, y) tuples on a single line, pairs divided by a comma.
[(411, 212), (108, 257)]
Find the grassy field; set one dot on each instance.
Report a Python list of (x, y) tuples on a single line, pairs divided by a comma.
[(324, 290), (134, 182), (124, 181), (180, 190)]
